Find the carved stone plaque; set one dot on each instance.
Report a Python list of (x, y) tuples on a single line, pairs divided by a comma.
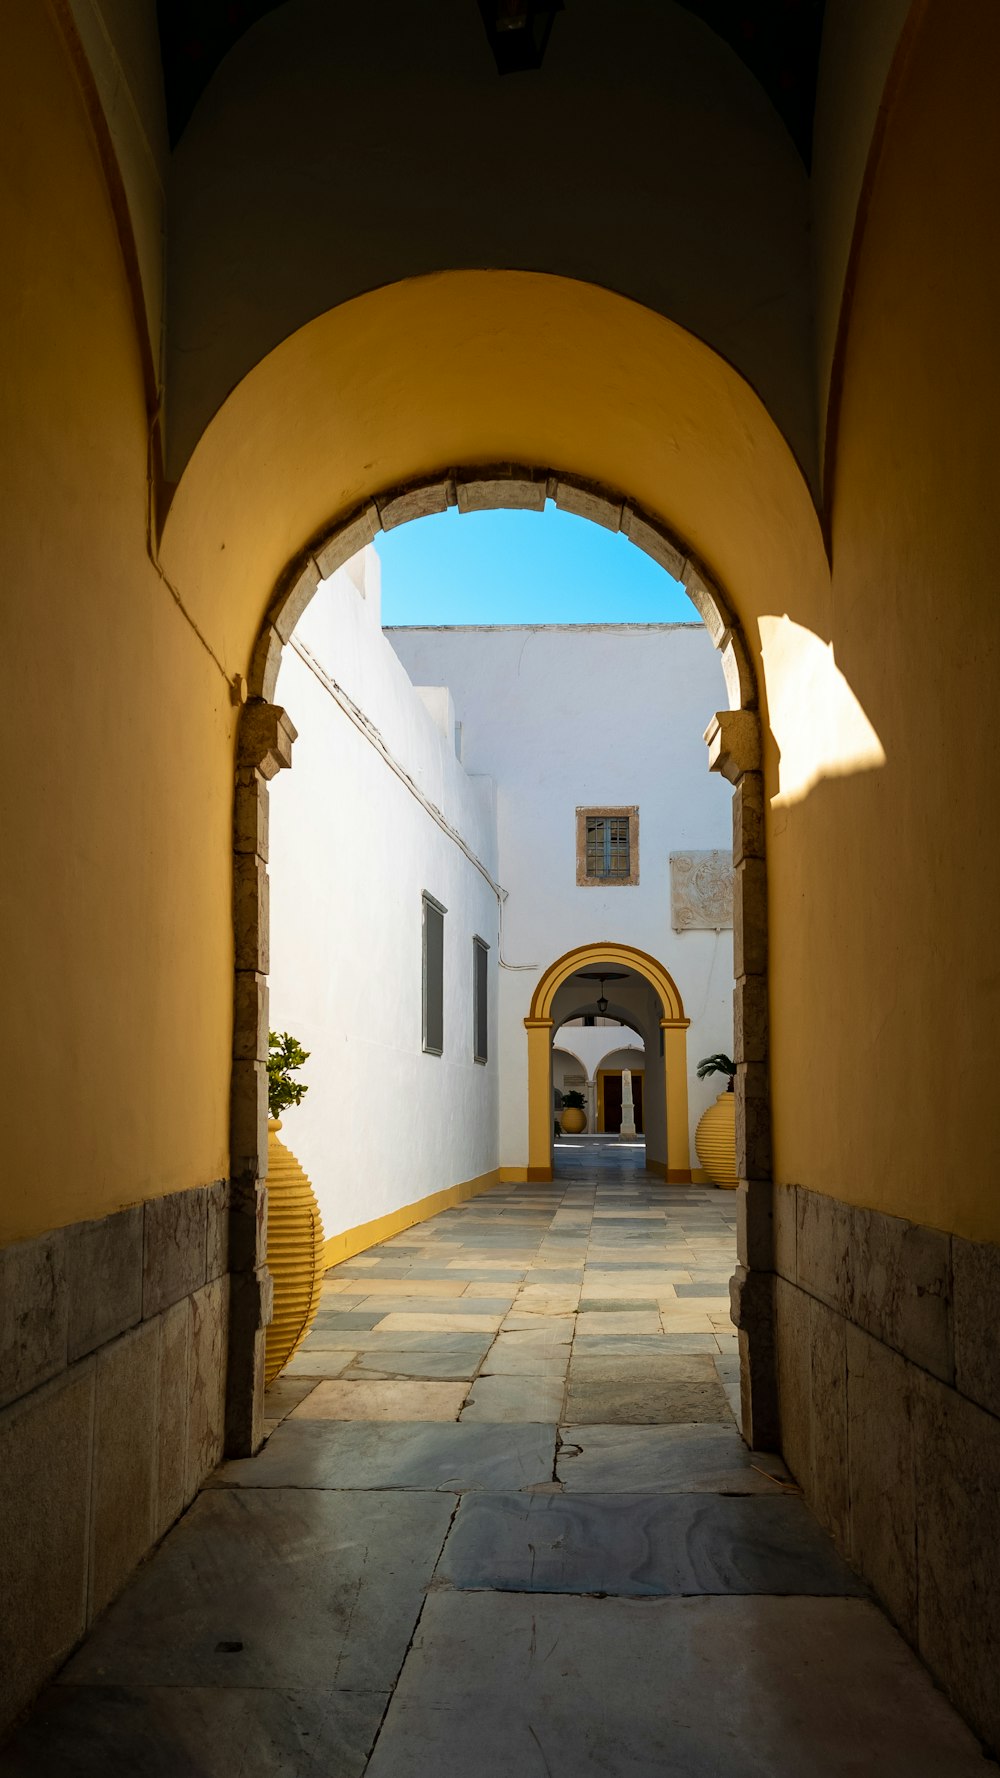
[(701, 891)]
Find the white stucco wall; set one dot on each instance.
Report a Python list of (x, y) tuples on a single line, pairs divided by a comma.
[(351, 851), (594, 1045), (590, 716)]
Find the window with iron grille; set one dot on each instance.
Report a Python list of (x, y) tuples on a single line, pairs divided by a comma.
[(480, 1001), (607, 846), (433, 975)]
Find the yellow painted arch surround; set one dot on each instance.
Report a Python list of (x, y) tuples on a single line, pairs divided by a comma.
[(539, 1027), (612, 954)]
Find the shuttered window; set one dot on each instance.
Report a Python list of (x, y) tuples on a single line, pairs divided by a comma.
[(608, 846), (480, 1000), (433, 976)]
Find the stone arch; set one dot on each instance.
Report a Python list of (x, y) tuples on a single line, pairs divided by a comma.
[(540, 1026), (264, 747), (619, 1049), (512, 487), (584, 1070)]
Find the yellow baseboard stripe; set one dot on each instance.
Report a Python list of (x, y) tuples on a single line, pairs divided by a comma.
[(513, 1176), (368, 1234)]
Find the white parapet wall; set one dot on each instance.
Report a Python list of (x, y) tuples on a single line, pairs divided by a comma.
[(353, 848)]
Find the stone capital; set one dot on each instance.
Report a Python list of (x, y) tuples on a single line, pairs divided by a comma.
[(733, 741), (265, 739)]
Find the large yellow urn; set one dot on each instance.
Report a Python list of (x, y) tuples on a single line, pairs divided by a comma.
[(572, 1121), (715, 1140), (294, 1252)]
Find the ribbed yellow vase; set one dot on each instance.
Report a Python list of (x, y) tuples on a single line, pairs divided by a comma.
[(715, 1140), (294, 1252)]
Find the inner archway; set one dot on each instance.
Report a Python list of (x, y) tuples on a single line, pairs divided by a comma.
[(557, 991)]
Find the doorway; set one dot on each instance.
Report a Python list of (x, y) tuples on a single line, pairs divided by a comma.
[(609, 1100)]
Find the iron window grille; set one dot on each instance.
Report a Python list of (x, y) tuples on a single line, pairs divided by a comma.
[(608, 851)]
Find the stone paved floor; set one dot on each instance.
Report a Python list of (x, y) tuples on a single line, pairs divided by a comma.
[(505, 1525)]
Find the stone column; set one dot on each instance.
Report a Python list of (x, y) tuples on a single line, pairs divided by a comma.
[(264, 746), (627, 1131), (539, 1098), (733, 739)]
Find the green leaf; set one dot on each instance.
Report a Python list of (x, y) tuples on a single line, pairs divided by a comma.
[(717, 1064), (285, 1056)]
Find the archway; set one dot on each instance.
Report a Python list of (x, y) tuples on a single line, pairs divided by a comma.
[(734, 741), (673, 1024), (305, 463)]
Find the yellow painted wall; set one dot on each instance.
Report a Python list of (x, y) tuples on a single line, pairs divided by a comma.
[(886, 962), (474, 367), (117, 795), (117, 776), (860, 41)]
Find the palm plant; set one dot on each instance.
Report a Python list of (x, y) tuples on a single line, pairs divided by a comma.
[(718, 1064)]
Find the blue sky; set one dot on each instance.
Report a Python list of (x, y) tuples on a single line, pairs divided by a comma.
[(521, 567)]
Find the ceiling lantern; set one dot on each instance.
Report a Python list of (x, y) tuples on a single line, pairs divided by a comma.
[(518, 31)]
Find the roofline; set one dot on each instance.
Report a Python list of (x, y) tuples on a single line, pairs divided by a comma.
[(695, 624)]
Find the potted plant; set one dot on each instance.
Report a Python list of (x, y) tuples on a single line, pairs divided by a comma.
[(573, 1116), (715, 1137), (295, 1251)]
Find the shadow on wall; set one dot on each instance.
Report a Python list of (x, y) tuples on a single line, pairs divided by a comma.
[(817, 721)]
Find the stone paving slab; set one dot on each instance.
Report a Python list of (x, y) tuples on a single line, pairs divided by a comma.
[(499, 1685), (496, 1307), (319, 1362), (400, 1340), (657, 1459), (372, 1399), (515, 1398), (285, 1575), (304, 1570), (677, 1390), (474, 1322), (642, 1345), (437, 1366), (115, 1731), (642, 1545), (313, 1454)]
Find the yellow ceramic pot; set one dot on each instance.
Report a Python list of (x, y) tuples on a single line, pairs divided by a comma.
[(294, 1252), (572, 1121), (715, 1140)]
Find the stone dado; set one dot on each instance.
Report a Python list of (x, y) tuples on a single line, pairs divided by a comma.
[(113, 1339), (889, 1390)]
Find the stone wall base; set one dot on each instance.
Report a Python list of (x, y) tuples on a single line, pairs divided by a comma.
[(888, 1358), (113, 1340)]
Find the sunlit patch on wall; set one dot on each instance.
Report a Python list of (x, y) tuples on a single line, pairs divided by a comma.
[(816, 719)]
